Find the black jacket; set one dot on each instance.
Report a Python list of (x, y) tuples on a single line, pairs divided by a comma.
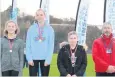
[(64, 62)]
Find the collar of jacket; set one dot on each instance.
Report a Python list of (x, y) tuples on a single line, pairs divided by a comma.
[(7, 38), (107, 39), (67, 50)]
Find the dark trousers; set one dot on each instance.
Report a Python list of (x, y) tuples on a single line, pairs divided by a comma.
[(98, 74), (33, 70), (10, 73)]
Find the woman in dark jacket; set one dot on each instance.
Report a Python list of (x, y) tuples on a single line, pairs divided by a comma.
[(72, 58)]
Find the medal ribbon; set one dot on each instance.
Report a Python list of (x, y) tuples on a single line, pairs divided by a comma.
[(40, 31), (10, 44), (74, 51), (72, 55)]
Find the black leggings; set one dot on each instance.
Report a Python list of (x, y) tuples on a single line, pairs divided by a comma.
[(10, 73), (33, 70)]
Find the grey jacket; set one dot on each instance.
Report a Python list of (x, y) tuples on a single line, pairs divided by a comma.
[(12, 60)]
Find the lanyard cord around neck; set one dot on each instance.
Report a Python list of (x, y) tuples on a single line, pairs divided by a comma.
[(108, 47)]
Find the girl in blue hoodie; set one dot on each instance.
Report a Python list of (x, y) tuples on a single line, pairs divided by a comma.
[(39, 45)]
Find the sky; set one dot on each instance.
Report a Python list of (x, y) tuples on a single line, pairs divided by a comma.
[(61, 8)]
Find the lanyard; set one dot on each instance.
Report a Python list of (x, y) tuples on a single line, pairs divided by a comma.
[(74, 51), (107, 46), (40, 31), (10, 44), (73, 58)]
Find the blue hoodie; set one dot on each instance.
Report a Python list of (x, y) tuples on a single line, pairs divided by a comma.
[(36, 50)]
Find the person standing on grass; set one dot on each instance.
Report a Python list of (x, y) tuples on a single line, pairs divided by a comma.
[(12, 50), (103, 52), (39, 45), (72, 58)]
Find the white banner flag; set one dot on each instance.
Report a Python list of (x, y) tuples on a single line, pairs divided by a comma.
[(110, 13), (45, 7), (81, 26)]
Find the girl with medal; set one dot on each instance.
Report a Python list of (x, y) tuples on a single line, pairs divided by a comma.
[(12, 50), (40, 21), (72, 59), (39, 45)]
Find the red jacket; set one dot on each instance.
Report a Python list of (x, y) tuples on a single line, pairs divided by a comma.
[(102, 59)]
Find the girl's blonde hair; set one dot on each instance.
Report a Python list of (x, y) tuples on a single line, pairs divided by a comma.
[(6, 24), (40, 9)]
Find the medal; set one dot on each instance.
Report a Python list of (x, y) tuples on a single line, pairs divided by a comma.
[(10, 45), (73, 58), (10, 50), (40, 40), (40, 37)]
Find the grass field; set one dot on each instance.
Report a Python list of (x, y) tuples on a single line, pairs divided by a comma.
[(54, 71)]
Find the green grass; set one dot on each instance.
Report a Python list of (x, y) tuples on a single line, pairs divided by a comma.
[(54, 71)]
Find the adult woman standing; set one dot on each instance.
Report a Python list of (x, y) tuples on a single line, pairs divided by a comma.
[(72, 59), (12, 50)]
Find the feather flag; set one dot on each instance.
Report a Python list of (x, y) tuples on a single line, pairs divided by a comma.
[(14, 11), (44, 4), (109, 13), (81, 21)]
